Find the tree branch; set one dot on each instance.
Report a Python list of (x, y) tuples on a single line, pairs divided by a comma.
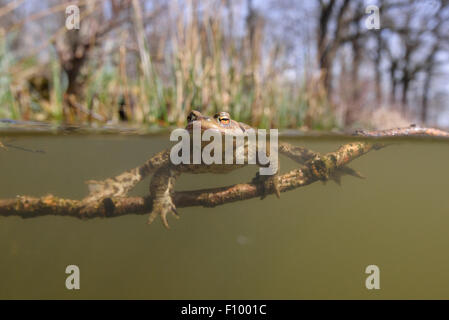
[(316, 168)]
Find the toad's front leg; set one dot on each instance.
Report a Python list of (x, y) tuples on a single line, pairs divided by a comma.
[(161, 190)]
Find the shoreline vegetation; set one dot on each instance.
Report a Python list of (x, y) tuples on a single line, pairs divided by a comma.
[(148, 63), (89, 78)]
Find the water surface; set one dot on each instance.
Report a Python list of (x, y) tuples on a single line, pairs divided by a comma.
[(314, 242)]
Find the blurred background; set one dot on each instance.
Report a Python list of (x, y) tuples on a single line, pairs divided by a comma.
[(282, 64)]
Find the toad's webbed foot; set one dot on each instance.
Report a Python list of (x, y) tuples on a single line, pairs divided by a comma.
[(161, 207), (113, 187), (342, 171), (268, 183), (161, 189), (120, 185)]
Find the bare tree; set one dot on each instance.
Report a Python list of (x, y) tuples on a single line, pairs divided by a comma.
[(75, 46), (329, 38)]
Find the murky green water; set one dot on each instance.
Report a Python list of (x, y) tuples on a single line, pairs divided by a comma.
[(315, 242)]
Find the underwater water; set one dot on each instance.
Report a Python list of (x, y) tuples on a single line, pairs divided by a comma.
[(313, 242)]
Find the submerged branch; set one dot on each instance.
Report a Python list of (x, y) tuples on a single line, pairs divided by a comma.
[(316, 168)]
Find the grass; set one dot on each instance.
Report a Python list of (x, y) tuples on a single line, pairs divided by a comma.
[(9, 106), (203, 66)]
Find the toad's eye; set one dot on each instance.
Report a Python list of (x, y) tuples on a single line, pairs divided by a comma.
[(223, 120)]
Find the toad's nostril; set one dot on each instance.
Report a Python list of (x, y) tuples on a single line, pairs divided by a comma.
[(191, 117), (194, 115)]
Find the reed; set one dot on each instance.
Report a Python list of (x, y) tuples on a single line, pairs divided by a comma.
[(8, 104), (199, 61)]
